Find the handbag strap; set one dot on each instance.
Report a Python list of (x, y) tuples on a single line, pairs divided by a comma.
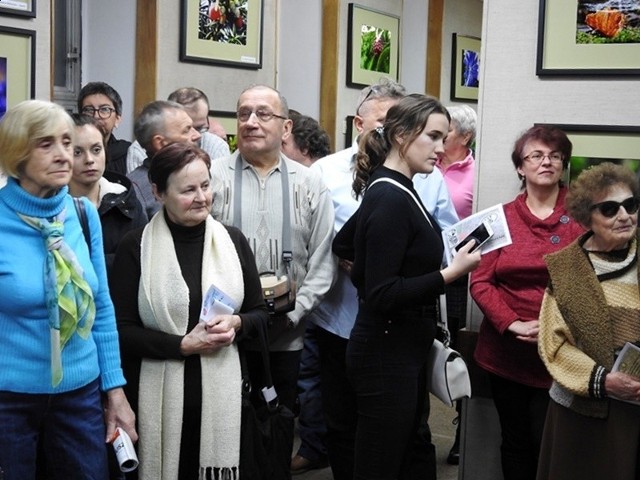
[(287, 252), (402, 187), (268, 391), (84, 221), (442, 304)]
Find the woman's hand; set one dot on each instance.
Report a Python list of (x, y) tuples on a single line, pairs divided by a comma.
[(622, 386), (525, 331), (118, 413), (210, 336), (463, 262)]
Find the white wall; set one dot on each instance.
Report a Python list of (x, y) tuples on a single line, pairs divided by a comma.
[(299, 54), (108, 51)]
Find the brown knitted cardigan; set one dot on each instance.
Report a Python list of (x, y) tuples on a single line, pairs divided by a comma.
[(575, 340)]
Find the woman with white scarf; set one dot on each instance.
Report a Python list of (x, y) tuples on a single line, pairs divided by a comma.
[(183, 374)]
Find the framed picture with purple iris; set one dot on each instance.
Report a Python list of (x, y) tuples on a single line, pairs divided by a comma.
[(583, 37), (17, 66), (594, 144), (222, 32), (465, 68), (20, 8), (373, 46)]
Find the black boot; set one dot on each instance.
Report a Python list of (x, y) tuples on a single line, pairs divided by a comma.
[(454, 454)]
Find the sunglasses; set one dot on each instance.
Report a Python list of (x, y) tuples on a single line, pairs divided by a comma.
[(610, 208)]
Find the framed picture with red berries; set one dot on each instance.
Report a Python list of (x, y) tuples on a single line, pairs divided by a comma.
[(583, 37), (222, 32), (373, 46)]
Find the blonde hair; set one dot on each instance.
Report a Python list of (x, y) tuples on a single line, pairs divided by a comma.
[(23, 126)]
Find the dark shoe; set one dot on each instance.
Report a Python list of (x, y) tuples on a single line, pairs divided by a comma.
[(299, 464), (454, 455)]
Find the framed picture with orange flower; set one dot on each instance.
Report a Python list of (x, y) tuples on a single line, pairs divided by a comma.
[(222, 32), (373, 46), (465, 68), (582, 37)]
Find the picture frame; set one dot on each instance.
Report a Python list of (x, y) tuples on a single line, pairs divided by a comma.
[(373, 46), (228, 121), (350, 131), (465, 68), (17, 66), (566, 46), (213, 33), (19, 8), (594, 144)]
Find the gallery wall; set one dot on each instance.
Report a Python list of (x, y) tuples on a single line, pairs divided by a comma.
[(513, 98)]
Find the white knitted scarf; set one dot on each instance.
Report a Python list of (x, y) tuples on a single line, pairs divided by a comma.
[(163, 299)]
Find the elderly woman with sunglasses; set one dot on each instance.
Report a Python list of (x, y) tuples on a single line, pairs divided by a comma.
[(591, 308), (508, 286)]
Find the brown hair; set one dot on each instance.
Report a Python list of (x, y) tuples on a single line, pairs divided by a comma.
[(172, 158)]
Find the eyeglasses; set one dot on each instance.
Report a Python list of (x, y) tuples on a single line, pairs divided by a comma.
[(610, 208), (263, 115), (372, 89), (104, 112), (202, 128), (536, 157)]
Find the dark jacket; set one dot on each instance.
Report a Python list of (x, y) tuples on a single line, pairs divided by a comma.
[(117, 155), (119, 213)]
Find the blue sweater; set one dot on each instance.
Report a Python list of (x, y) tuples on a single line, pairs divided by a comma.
[(24, 324)]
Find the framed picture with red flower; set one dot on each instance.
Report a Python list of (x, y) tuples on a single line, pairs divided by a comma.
[(465, 68), (373, 46), (222, 32), (583, 37)]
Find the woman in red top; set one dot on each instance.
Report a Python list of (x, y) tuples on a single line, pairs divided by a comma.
[(508, 287)]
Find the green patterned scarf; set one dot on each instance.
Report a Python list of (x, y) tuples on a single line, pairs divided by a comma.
[(68, 295)]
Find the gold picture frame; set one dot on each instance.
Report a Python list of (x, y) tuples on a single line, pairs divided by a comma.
[(17, 66), (560, 53), (214, 32), (373, 46), (465, 68)]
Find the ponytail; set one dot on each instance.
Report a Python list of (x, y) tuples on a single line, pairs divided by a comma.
[(373, 148)]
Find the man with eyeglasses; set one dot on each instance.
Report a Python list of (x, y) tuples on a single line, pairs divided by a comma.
[(336, 314), (102, 102), (252, 188), (196, 104), (159, 124)]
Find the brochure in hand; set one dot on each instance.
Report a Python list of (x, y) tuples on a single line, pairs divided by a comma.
[(494, 222), (216, 302)]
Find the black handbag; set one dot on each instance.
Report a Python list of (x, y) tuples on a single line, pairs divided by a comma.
[(266, 439)]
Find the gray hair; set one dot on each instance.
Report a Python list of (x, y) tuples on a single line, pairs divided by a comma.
[(283, 101), (385, 88), (464, 119), (151, 122)]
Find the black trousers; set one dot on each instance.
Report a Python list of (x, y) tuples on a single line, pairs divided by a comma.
[(338, 404), (387, 369)]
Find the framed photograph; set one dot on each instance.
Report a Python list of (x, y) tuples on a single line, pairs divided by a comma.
[(17, 66), (373, 46), (588, 38), (222, 32), (227, 122), (21, 8), (594, 144), (465, 68)]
